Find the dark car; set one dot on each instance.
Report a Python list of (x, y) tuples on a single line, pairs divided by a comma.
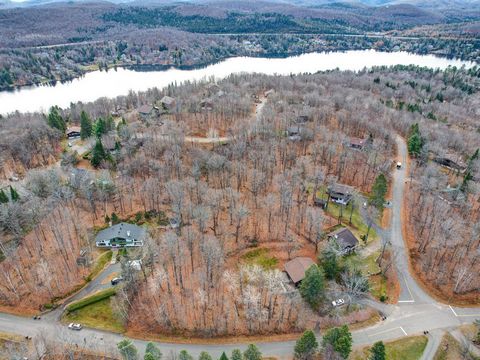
[(116, 280)]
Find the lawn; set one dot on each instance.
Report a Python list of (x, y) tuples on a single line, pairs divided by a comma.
[(408, 348), (102, 260), (378, 286), (260, 257), (98, 315), (367, 265), (449, 349), (360, 227)]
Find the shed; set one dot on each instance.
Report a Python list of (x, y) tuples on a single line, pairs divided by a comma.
[(344, 239), (297, 267)]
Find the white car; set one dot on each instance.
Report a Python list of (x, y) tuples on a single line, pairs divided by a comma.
[(73, 326), (399, 165), (338, 302)]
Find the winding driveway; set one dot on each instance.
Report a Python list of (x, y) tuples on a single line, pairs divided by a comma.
[(415, 312)]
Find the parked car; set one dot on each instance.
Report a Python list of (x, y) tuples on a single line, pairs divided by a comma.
[(338, 302), (399, 165), (74, 326), (116, 280)]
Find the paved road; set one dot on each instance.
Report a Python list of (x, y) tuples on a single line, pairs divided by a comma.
[(415, 312)]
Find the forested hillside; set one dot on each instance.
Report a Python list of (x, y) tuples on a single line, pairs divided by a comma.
[(253, 190), (73, 38)]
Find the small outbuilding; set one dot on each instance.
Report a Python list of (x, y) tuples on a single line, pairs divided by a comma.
[(297, 267), (344, 239), (121, 235)]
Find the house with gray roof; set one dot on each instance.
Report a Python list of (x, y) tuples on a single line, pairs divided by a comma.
[(344, 240), (121, 235), (340, 193)]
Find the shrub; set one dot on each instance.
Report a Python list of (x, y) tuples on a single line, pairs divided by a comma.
[(104, 294)]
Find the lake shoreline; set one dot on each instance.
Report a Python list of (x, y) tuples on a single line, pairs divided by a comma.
[(99, 83)]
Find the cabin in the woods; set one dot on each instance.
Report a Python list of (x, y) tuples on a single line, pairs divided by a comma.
[(344, 240), (145, 111), (340, 194), (168, 103), (121, 235), (357, 143), (297, 267), (451, 161), (73, 132)]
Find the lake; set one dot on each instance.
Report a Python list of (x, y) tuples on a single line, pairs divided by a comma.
[(118, 82)]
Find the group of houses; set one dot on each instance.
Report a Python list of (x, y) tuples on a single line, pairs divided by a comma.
[(164, 105), (342, 240)]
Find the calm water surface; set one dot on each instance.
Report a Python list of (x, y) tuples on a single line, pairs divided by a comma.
[(118, 82)]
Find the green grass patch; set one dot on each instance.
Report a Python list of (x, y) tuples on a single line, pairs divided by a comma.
[(260, 257), (408, 348), (98, 315), (98, 296), (102, 260), (378, 287), (367, 265), (361, 228)]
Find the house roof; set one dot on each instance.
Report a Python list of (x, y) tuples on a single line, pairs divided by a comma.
[(341, 189), (167, 100), (145, 109), (357, 141), (73, 128), (344, 238), (123, 231), (296, 268)]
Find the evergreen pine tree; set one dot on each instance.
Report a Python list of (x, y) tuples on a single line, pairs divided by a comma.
[(3, 197), (306, 346), (379, 190), (252, 353), (377, 352), (205, 356), (85, 126), (153, 352), (55, 120), (340, 339), (312, 286), (98, 154), (236, 354), (14, 194), (224, 356)]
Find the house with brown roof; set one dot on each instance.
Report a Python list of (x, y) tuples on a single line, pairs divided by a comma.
[(340, 193), (297, 267), (357, 143), (344, 240)]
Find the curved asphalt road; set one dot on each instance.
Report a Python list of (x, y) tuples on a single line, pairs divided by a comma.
[(415, 312)]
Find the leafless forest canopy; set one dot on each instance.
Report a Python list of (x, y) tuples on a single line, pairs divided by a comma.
[(254, 190)]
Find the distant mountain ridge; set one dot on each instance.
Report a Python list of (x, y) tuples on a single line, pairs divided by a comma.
[(429, 4)]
